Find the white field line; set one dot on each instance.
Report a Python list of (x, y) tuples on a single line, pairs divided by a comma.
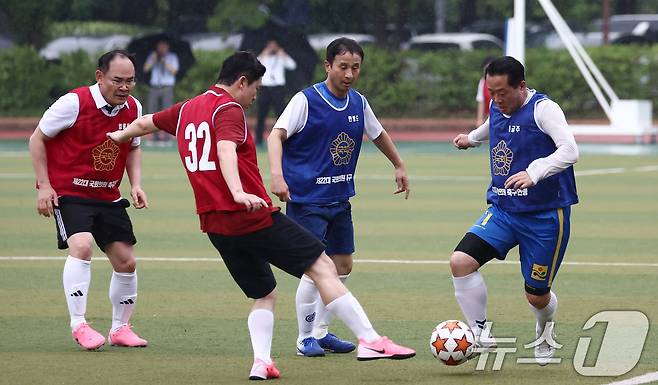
[(13, 154), (643, 379), (419, 178), (372, 261)]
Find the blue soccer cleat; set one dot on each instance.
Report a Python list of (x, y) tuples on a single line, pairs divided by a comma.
[(309, 347), (331, 343)]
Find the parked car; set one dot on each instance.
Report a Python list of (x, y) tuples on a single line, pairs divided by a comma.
[(629, 24), (320, 41), (622, 29), (212, 41), (461, 41), (90, 44)]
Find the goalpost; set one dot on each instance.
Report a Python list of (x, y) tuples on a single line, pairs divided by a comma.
[(626, 116)]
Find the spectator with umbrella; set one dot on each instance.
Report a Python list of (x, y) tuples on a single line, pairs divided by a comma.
[(272, 89), (163, 66), (295, 45), (145, 49)]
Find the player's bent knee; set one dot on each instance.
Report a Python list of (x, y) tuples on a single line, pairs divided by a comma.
[(268, 301), (537, 297), (130, 265), (271, 296), (323, 267), (80, 246), (343, 263), (462, 264)]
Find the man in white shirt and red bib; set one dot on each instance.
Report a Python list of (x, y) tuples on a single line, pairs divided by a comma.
[(78, 171), (219, 155)]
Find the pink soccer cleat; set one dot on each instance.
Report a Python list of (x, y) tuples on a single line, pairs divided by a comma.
[(87, 337), (126, 337), (262, 371), (382, 348)]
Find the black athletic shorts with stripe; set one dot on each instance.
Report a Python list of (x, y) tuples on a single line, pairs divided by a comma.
[(285, 245), (107, 221)]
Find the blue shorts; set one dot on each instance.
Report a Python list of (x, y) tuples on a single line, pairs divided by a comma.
[(542, 237), (331, 223)]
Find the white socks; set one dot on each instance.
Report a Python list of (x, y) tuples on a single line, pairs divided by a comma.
[(76, 279), (546, 314), (313, 317), (305, 302), (471, 294), (261, 328), (323, 317), (349, 310), (123, 295)]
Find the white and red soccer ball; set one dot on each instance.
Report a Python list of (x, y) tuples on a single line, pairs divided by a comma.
[(452, 342)]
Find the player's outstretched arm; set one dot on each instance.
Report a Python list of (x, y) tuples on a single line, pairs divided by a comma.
[(47, 196), (228, 163), (139, 127), (385, 144), (279, 186)]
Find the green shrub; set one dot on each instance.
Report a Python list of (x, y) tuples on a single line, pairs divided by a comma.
[(407, 83), (92, 28), (25, 81), (73, 70)]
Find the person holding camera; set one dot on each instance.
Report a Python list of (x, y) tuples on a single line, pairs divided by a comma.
[(272, 90), (163, 66)]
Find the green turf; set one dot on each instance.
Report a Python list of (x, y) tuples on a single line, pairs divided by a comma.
[(194, 315)]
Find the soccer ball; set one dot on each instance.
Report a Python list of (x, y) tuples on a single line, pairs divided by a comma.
[(452, 342)]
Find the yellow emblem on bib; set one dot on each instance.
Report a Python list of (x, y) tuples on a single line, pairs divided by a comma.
[(501, 158), (105, 156), (341, 149)]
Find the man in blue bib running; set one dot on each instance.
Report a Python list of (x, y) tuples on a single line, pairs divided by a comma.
[(532, 188), (313, 150)]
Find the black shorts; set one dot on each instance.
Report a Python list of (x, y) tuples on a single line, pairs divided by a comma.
[(107, 221), (285, 245), (477, 248)]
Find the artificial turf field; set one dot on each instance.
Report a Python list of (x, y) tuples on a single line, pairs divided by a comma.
[(194, 316)]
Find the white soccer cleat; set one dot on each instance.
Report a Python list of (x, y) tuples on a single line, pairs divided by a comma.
[(484, 339), (545, 350)]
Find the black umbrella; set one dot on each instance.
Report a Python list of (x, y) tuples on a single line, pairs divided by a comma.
[(142, 46), (294, 43)]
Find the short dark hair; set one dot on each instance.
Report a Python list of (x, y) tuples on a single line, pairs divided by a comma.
[(507, 65), (342, 45), (107, 57), (241, 63)]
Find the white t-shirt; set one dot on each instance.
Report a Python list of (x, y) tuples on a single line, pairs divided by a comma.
[(64, 112), (276, 66), (551, 120), (295, 114)]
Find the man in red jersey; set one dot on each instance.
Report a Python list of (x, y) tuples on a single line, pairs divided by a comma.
[(219, 155), (78, 171)]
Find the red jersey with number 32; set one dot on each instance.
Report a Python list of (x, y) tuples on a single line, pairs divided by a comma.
[(197, 137), (82, 161)]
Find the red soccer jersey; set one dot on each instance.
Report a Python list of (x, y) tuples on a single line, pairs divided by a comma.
[(199, 124), (82, 161)]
